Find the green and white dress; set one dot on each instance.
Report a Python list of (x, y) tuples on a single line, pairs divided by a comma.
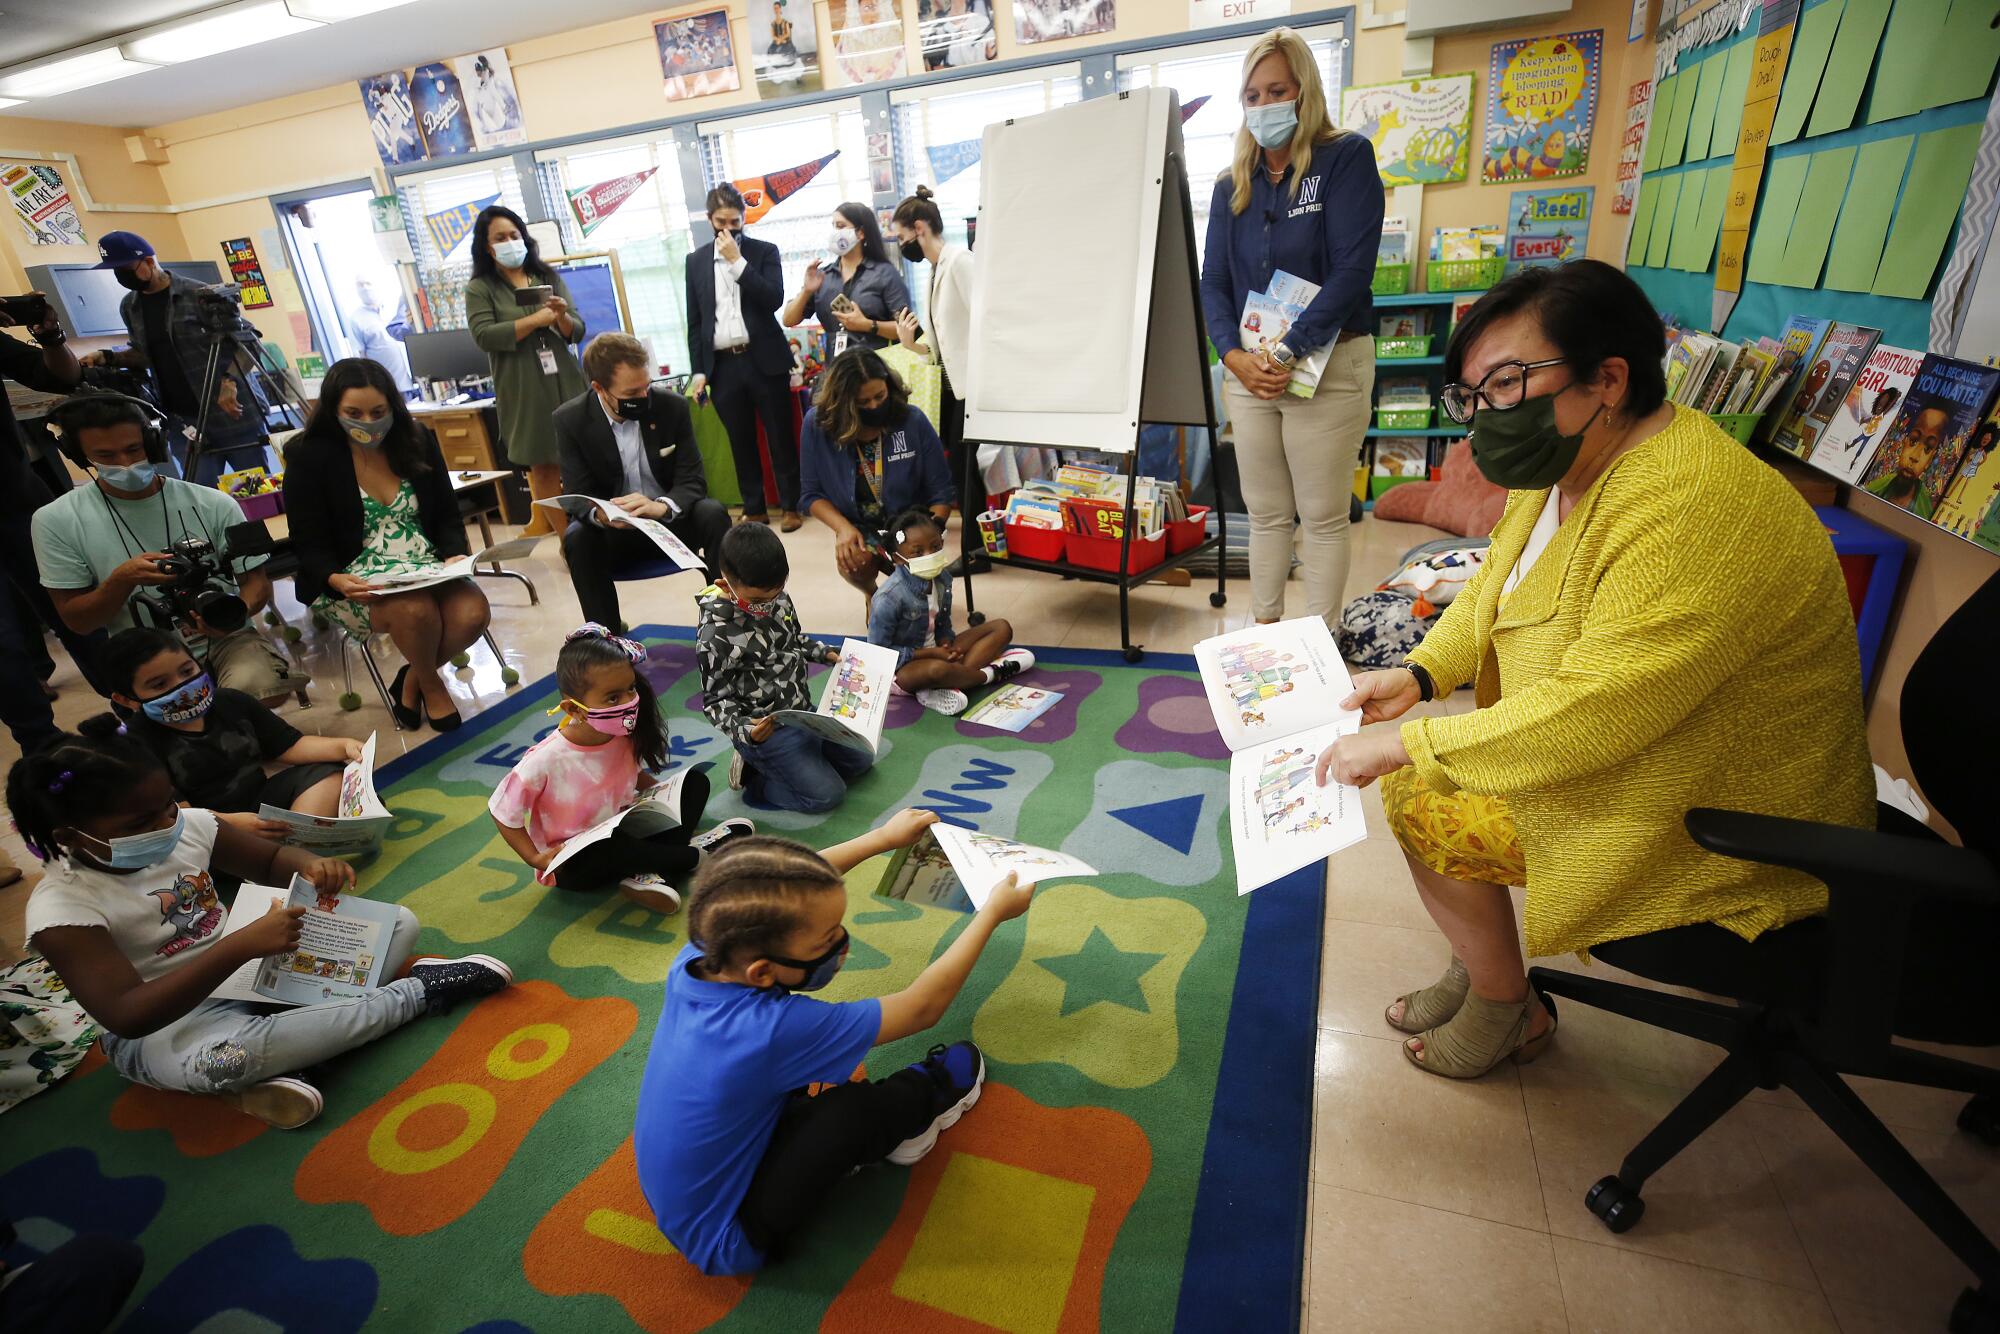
[(392, 542)]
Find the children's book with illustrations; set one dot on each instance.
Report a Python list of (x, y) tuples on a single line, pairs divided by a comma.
[(423, 576), (1275, 691), (654, 811), (582, 507), (1839, 359), (855, 703), (1921, 452), (1797, 346), (1970, 498), (359, 828), (1406, 322), (343, 944), (954, 867), (1012, 707), (1848, 444), (1265, 323)]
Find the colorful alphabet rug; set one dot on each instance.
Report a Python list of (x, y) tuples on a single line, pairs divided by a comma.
[(1138, 1160)]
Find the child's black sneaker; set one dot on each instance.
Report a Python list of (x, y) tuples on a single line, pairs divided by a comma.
[(446, 982), (1012, 663), (956, 1072), (711, 841)]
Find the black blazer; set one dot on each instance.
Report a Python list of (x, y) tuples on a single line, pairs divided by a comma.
[(323, 506), (589, 452), (762, 291)]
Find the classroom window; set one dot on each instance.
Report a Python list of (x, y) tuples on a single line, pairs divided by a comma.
[(444, 195)]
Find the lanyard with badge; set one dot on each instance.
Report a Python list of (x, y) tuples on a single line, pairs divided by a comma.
[(868, 484), (548, 358)]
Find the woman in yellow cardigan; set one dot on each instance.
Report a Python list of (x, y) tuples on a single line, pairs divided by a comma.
[(1660, 624)]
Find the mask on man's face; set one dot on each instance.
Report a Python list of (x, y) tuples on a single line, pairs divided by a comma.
[(129, 279), (634, 409)]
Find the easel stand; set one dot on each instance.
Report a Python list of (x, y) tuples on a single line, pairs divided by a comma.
[(1169, 350)]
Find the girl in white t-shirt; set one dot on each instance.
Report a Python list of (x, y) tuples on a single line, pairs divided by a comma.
[(128, 914)]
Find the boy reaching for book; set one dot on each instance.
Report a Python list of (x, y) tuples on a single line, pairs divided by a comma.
[(128, 914), (734, 1155), (912, 614), (593, 766)]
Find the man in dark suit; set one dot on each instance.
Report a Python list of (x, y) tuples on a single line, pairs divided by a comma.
[(631, 442), (740, 355)]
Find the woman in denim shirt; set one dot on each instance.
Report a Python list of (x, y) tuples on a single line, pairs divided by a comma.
[(864, 274)]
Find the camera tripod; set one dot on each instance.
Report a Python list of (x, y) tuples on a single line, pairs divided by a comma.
[(242, 351)]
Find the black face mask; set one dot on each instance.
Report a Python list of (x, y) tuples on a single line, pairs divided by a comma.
[(912, 251), (634, 409), (128, 278), (884, 414)]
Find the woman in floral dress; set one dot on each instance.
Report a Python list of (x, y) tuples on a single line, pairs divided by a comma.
[(368, 496)]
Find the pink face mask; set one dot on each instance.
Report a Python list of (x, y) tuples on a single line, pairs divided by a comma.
[(612, 722)]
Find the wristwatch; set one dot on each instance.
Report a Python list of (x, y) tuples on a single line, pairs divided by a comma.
[(1282, 354)]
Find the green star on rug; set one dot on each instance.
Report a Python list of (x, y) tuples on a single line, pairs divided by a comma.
[(1100, 971)]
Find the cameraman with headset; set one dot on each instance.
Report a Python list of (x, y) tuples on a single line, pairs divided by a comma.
[(172, 337), (137, 547)]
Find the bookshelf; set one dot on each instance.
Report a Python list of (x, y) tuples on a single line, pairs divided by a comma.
[(1442, 431)]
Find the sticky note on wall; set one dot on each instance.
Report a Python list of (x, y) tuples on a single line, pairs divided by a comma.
[(1931, 199), (1865, 213)]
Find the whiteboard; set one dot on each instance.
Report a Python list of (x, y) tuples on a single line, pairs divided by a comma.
[(1082, 218)]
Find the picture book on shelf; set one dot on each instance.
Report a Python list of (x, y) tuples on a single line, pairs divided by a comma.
[(1485, 241), (1970, 497), (343, 945), (1824, 387), (855, 703), (1402, 456), (1275, 691), (957, 868), (1796, 346), (1922, 450), (1848, 444), (1410, 322), (359, 828)]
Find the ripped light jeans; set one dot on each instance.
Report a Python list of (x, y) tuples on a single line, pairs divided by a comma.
[(225, 1046)]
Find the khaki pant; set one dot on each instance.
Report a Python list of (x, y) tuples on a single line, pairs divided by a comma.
[(243, 660), (1296, 457)]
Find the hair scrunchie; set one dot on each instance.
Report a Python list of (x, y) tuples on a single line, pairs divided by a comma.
[(631, 648)]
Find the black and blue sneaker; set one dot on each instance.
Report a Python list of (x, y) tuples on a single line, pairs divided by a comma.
[(449, 981), (956, 1074)]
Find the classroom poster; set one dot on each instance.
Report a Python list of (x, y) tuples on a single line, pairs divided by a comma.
[(42, 203), (487, 81), (1541, 98), (697, 56), (867, 40), (244, 270), (1546, 227), (1638, 107), (955, 33), (784, 48), (1048, 20), (392, 118), (1421, 128), (594, 203)]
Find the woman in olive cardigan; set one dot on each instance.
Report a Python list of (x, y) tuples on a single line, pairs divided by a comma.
[(1659, 624), (535, 370)]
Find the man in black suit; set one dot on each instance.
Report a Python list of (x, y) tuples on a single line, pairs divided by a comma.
[(740, 355), (631, 442)]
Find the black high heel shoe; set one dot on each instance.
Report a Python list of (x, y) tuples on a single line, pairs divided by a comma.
[(408, 717)]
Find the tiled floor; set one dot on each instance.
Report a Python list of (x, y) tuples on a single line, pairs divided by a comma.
[(1435, 1205)]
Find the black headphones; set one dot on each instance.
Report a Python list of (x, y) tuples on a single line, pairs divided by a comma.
[(153, 431)]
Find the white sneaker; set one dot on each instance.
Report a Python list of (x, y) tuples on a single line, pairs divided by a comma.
[(1011, 664), (728, 831), (736, 771), (651, 891), (948, 702), (284, 1104)]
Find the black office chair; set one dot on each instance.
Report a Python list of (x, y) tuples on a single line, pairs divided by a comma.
[(1907, 948)]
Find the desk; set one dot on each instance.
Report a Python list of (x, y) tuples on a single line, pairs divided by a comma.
[(467, 436)]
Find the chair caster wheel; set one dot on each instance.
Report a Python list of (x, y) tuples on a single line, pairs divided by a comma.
[(461, 660), (271, 619), (1217, 599), (349, 702), (509, 677), (976, 618), (1980, 1118), (1616, 1204), (1974, 1313), (1134, 654), (292, 634), (320, 622)]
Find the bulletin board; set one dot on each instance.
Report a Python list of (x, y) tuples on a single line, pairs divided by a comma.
[(596, 288), (1871, 148)]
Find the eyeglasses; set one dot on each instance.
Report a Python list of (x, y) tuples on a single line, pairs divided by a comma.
[(1503, 388)]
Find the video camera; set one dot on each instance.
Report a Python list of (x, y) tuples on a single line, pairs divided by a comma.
[(201, 588), (220, 306)]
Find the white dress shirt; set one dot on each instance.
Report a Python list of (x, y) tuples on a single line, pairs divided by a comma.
[(631, 440), (730, 330)]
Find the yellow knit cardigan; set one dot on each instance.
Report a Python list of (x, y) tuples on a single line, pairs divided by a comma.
[(1684, 640)]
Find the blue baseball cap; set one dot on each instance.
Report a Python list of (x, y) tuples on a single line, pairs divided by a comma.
[(115, 250)]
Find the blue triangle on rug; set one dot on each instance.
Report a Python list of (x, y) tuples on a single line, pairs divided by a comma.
[(1172, 822)]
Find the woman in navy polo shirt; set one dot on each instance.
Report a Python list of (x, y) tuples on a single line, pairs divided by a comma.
[(1302, 196), (864, 455)]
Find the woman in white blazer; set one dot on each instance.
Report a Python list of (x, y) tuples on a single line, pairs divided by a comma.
[(920, 234)]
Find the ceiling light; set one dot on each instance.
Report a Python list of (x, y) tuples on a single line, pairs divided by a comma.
[(51, 78), (6, 102), (333, 11), (216, 32)]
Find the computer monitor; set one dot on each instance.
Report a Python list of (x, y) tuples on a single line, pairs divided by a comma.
[(450, 354)]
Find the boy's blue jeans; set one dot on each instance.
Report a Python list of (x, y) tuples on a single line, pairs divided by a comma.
[(797, 771)]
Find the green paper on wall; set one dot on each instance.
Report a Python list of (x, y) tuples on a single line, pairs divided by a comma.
[(1729, 101), (1701, 122), (1811, 45), (1663, 221), (1939, 170), (1964, 64), (1864, 217), (1784, 178), (1685, 86), (1812, 224), (1708, 226), (1847, 67), (1642, 221), (1685, 212), (1656, 124), (1915, 30)]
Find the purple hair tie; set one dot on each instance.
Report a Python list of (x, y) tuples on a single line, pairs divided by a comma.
[(631, 648), (61, 781)]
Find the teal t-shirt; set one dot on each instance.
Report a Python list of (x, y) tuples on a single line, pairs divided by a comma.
[(85, 535)]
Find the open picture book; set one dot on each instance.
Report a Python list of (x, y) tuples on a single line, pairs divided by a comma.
[(582, 507), (654, 811), (1275, 691), (359, 827), (855, 703), (343, 944), (458, 567), (957, 868)]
